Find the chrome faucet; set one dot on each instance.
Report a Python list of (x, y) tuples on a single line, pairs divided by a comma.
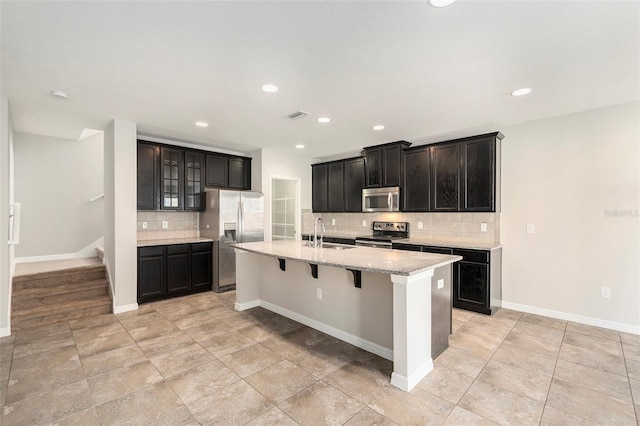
[(315, 232)]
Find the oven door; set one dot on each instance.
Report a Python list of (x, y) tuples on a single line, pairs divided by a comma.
[(381, 199)]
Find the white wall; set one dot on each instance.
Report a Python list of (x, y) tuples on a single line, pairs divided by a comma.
[(577, 179), (120, 213), (281, 165), (5, 194), (54, 180)]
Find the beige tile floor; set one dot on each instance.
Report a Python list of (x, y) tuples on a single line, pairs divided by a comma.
[(195, 360)]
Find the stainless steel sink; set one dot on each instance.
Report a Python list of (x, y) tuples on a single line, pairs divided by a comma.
[(330, 246)]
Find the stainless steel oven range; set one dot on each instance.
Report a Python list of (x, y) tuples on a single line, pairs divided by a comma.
[(384, 233)]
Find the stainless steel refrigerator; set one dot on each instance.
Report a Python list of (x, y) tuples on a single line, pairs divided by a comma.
[(230, 216)]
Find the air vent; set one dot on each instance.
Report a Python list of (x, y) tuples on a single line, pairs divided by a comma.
[(298, 114)]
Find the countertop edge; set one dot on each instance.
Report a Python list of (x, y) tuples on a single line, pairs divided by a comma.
[(453, 259), (171, 241)]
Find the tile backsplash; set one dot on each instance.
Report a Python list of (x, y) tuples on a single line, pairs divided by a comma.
[(435, 226), (179, 225)]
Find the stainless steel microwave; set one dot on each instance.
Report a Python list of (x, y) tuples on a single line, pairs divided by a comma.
[(381, 199)]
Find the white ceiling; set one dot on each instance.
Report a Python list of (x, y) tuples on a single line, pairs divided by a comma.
[(425, 73)]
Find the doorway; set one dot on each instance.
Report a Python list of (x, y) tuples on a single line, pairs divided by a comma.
[(285, 217)]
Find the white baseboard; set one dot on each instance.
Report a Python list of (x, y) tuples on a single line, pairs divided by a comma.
[(125, 308), (332, 331), (597, 322), (31, 259), (408, 383), (246, 305), (5, 331), (86, 252)]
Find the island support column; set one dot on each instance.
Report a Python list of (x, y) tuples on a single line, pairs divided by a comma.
[(248, 280), (411, 329)]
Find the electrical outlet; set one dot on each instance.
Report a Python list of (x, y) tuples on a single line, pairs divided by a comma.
[(605, 292), (145, 225), (420, 224), (483, 227), (333, 221), (165, 224), (364, 223), (531, 228), (440, 283), (319, 293)]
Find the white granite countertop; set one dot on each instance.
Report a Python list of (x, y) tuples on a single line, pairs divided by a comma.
[(170, 241), (382, 261)]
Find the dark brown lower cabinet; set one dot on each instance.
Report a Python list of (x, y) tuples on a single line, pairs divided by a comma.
[(477, 278), (476, 285), (174, 270)]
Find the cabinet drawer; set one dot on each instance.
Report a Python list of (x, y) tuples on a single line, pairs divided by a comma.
[(406, 247), (479, 256), (200, 247), (150, 251), (438, 250), (178, 249)]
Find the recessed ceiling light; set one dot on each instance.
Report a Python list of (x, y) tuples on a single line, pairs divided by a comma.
[(521, 92), (59, 94), (300, 146), (441, 3), (324, 120), (378, 127), (202, 124), (270, 88)]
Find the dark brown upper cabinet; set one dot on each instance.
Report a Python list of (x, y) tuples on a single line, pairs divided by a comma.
[(416, 179), (445, 177), (217, 170), (239, 173), (337, 185), (383, 164), (353, 184), (194, 181), (465, 174), (174, 178), (319, 188), (148, 176), (478, 175), (171, 178)]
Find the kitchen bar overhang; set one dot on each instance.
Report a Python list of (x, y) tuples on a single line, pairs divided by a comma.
[(389, 315)]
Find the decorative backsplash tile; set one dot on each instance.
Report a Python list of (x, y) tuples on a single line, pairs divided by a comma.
[(435, 226), (179, 225)]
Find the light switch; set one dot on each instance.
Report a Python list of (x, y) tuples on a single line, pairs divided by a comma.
[(333, 221), (483, 227), (364, 223), (145, 225), (531, 228), (420, 224)]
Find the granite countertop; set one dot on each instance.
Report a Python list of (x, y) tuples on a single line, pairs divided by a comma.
[(359, 258), (170, 241)]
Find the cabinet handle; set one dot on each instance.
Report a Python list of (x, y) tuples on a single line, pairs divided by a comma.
[(389, 198)]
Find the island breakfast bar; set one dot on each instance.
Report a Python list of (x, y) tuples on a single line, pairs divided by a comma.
[(375, 299)]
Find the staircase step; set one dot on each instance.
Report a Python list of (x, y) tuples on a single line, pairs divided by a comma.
[(31, 297), (28, 323), (56, 278), (60, 308)]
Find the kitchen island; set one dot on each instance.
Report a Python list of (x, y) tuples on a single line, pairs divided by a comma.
[(379, 300)]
